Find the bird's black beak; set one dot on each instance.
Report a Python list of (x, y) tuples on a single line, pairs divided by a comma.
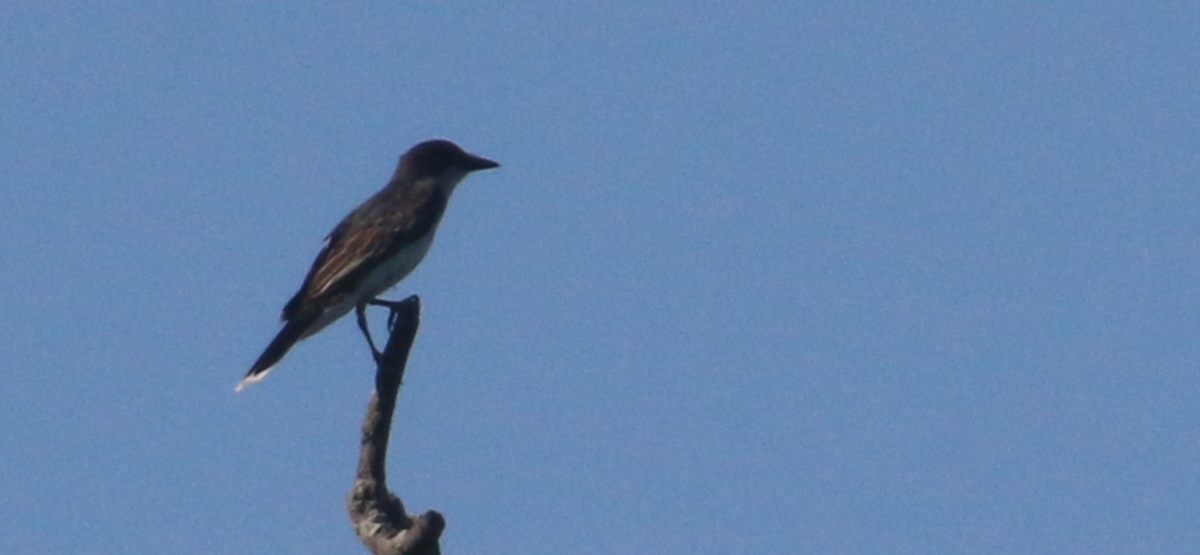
[(476, 163)]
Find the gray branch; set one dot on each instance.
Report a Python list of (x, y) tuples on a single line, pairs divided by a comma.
[(378, 516)]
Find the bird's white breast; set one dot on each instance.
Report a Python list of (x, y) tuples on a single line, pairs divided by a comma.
[(376, 282), (394, 269)]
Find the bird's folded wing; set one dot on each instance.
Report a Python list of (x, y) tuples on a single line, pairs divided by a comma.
[(361, 242)]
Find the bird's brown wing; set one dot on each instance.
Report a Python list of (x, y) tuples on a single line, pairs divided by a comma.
[(367, 236)]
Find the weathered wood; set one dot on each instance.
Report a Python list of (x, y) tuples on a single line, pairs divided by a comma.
[(378, 515)]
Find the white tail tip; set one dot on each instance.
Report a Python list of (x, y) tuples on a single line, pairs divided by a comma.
[(251, 380)]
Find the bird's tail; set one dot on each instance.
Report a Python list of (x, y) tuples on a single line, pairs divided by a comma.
[(292, 332)]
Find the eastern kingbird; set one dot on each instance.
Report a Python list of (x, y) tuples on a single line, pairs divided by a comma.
[(373, 247)]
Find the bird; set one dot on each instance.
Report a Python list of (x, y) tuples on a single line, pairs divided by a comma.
[(374, 247)]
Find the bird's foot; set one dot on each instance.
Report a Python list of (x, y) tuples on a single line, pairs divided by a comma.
[(393, 308)]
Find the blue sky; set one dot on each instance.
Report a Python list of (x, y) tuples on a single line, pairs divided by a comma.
[(779, 277)]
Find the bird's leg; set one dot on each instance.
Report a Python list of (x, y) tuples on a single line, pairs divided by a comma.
[(360, 313), (392, 313)]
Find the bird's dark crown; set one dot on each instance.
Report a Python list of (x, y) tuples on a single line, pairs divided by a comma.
[(437, 156)]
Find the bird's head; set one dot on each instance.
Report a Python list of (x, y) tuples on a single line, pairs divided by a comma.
[(441, 159)]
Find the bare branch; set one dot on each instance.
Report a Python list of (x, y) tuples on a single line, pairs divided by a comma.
[(378, 515)]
